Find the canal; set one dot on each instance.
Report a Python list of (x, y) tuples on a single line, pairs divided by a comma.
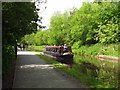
[(96, 72)]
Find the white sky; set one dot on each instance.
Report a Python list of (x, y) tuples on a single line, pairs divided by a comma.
[(57, 5)]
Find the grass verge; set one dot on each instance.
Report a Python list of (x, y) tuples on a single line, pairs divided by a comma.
[(35, 48)]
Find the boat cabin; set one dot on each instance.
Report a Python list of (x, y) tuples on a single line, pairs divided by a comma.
[(62, 54), (58, 49)]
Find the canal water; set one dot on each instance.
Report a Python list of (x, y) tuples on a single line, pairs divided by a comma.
[(102, 71)]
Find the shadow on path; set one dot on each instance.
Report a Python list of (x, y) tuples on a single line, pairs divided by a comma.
[(33, 72)]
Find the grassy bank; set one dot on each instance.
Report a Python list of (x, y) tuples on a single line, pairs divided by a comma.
[(35, 48), (98, 49)]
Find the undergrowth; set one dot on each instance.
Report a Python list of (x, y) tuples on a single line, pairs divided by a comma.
[(98, 49)]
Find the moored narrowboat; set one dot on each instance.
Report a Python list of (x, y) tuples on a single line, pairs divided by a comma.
[(63, 55)]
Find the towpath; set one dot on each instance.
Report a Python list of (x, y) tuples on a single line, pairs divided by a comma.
[(33, 72)]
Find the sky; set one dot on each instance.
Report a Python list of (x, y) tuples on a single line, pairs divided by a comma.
[(56, 5)]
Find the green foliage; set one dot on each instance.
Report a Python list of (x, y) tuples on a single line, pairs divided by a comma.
[(18, 19), (98, 49), (92, 23), (16, 22), (36, 48), (38, 38), (108, 33), (76, 45), (8, 57), (56, 29)]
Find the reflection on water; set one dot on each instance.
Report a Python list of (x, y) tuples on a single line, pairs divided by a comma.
[(103, 71), (85, 66)]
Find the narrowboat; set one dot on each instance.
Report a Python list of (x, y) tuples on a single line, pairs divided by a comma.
[(61, 55)]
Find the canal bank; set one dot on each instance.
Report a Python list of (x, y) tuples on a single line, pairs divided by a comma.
[(90, 71)]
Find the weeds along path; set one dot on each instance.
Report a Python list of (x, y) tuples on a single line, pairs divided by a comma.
[(33, 72)]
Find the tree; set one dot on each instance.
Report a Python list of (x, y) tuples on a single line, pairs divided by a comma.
[(16, 22), (90, 24), (18, 19), (56, 29)]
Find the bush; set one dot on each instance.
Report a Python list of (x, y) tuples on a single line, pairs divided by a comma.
[(98, 49), (77, 44)]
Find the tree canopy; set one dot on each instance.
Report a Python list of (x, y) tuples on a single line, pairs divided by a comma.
[(18, 19), (92, 23)]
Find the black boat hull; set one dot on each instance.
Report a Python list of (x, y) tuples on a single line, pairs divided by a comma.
[(67, 59)]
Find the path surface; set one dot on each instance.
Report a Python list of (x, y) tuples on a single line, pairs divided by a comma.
[(33, 72)]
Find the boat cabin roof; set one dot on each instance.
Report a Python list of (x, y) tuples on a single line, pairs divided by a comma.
[(53, 46)]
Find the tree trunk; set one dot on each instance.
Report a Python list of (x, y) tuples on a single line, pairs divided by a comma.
[(15, 49)]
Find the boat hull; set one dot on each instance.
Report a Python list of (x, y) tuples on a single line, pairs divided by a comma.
[(67, 59)]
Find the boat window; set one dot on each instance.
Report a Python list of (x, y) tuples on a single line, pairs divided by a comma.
[(53, 50), (56, 49)]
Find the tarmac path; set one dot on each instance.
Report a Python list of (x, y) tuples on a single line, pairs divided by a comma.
[(33, 72)]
